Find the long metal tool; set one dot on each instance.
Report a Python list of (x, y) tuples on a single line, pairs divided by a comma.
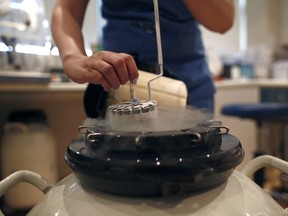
[(159, 46), (134, 101), (159, 52)]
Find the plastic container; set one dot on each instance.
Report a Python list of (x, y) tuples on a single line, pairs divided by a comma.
[(27, 144)]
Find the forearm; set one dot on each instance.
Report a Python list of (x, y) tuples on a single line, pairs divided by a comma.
[(216, 15), (106, 68), (66, 31)]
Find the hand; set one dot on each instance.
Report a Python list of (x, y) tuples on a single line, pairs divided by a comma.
[(106, 68)]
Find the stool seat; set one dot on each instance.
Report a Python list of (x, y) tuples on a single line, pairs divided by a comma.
[(257, 111)]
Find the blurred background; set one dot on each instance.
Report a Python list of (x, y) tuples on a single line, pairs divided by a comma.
[(249, 65)]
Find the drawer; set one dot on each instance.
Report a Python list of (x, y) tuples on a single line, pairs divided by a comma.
[(269, 94)]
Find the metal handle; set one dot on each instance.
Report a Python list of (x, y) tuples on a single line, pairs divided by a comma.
[(82, 130), (222, 129), (92, 137), (263, 161), (159, 46), (24, 176)]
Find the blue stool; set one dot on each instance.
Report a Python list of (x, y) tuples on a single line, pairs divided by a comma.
[(262, 113), (259, 112)]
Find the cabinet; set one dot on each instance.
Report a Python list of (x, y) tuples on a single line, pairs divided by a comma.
[(243, 129), (274, 94), (60, 102)]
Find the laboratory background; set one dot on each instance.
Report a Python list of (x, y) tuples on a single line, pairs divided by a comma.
[(41, 110)]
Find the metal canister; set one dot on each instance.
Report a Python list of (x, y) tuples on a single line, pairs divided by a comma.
[(134, 116)]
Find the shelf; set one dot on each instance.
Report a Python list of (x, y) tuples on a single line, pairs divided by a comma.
[(43, 87)]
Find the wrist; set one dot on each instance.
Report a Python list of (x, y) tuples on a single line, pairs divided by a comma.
[(73, 67)]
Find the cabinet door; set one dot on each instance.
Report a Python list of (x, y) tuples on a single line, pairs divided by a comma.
[(243, 129)]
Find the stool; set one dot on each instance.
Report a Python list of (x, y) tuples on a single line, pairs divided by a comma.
[(275, 114)]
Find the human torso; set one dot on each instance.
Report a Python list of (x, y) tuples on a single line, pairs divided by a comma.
[(131, 28)]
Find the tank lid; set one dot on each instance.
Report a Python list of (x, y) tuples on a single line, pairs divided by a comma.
[(158, 163)]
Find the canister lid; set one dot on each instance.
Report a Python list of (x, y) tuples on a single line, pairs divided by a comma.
[(157, 164)]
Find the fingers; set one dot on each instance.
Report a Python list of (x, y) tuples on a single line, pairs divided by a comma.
[(104, 77), (112, 69), (108, 74), (118, 71), (130, 66)]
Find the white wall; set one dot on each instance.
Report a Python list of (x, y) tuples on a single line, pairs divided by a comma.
[(217, 44), (223, 43), (264, 22), (89, 27), (284, 24)]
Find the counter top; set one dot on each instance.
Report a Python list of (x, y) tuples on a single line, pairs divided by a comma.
[(71, 86), (26, 81), (42, 87), (252, 82)]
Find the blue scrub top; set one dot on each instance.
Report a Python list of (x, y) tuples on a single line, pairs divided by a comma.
[(130, 28)]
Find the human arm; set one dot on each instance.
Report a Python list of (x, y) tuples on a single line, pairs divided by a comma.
[(106, 68), (216, 15)]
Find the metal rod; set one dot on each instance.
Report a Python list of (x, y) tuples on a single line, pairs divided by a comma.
[(159, 47), (133, 93)]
